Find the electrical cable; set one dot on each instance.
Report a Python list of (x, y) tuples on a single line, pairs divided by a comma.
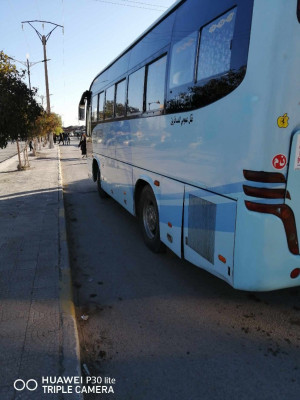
[(38, 8), (145, 4), (14, 12), (128, 5)]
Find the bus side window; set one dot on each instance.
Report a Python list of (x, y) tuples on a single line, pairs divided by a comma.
[(109, 102), (101, 107), (215, 46), (94, 108), (182, 67), (136, 92), (120, 98), (155, 93)]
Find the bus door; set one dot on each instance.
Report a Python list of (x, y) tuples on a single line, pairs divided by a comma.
[(89, 142), (209, 231), (293, 183)]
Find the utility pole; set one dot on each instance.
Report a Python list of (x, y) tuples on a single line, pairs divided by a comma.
[(44, 39), (28, 72)]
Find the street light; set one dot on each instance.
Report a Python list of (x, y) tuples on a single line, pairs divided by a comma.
[(28, 65)]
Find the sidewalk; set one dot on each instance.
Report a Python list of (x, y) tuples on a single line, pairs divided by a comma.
[(10, 150), (38, 334)]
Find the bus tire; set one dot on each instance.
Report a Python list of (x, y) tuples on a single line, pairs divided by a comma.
[(101, 192), (149, 220)]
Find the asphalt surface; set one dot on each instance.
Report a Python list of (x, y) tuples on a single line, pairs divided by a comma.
[(163, 328)]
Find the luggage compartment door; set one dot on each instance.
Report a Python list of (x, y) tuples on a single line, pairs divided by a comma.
[(209, 231)]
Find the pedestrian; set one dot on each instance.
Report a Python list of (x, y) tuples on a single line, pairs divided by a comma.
[(65, 138), (68, 138), (82, 145), (60, 138), (30, 145), (54, 138)]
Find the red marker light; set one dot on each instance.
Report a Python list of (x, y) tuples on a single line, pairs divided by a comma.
[(222, 259), (295, 273)]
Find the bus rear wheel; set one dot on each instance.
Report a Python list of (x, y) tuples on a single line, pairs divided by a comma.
[(101, 192), (149, 220)]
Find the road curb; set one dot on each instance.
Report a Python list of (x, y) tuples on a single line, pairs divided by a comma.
[(70, 345)]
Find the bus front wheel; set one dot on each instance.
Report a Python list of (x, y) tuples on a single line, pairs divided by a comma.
[(149, 220), (101, 192)]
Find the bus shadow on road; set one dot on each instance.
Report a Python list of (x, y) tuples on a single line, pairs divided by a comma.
[(147, 309)]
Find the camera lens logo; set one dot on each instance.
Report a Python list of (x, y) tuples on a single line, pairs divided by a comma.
[(30, 385)]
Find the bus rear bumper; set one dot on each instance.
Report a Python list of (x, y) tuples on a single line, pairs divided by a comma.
[(263, 261)]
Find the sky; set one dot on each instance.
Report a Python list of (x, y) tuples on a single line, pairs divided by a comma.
[(95, 33)]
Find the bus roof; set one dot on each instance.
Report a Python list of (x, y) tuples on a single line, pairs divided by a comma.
[(163, 16)]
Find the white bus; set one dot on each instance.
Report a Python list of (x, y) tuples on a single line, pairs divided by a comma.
[(195, 129)]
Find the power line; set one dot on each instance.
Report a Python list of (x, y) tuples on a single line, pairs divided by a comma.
[(14, 12), (128, 5), (38, 9), (145, 4)]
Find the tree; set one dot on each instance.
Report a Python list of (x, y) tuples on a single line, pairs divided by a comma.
[(18, 108), (6, 67), (47, 124)]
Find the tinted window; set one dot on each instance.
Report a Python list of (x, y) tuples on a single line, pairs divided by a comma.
[(183, 61), (101, 107), (156, 85), (215, 46), (109, 102), (136, 92), (118, 68), (120, 98), (94, 108), (155, 40)]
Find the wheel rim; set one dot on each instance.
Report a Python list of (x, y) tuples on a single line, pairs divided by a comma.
[(150, 219)]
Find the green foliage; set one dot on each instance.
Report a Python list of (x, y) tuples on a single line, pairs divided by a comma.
[(47, 123), (6, 68), (18, 108)]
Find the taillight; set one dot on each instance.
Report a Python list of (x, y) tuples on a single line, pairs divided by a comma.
[(295, 273), (287, 217), (262, 176), (265, 193)]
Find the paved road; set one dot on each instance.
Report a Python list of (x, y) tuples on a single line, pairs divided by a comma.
[(163, 328)]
